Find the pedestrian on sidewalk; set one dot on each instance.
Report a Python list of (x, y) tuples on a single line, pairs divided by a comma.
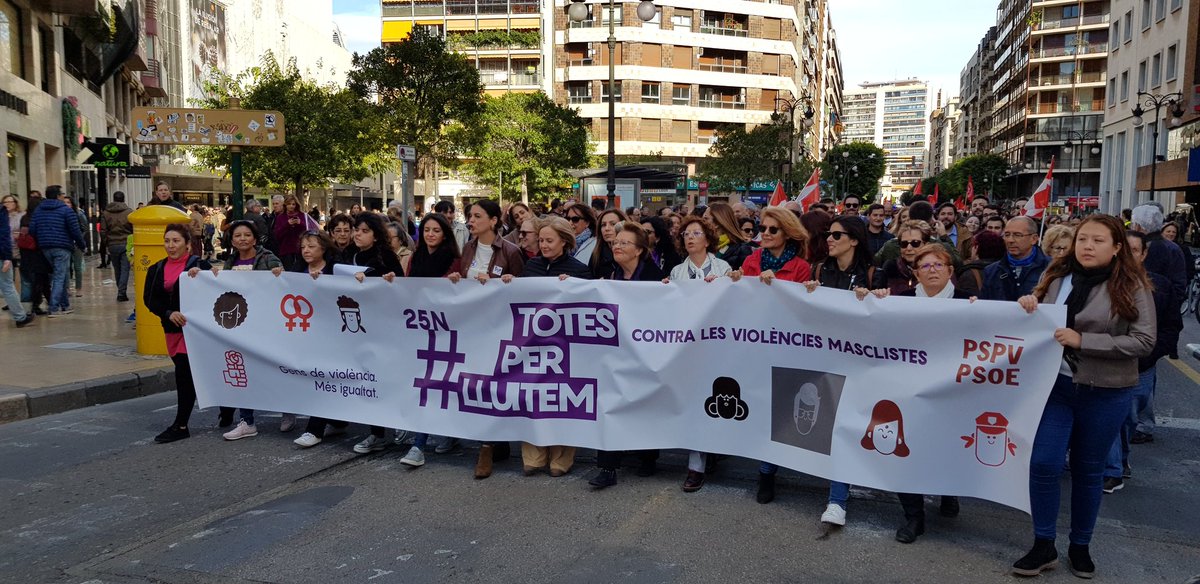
[(35, 270), (1110, 325), (161, 296), (78, 252), (248, 254), (117, 230), (15, 214), (56, 228), (7, 289)]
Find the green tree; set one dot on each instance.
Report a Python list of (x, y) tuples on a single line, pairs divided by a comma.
[(855, 168), (429, 97), (532, 142), (330, 132), (741, 157), (987, 171)]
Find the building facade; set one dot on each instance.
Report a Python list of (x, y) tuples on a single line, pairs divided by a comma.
[(943, 124), (893, 115), (1148, 54)]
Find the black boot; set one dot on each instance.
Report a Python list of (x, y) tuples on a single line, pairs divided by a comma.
[(1080, 561), (766, 488), (1042, 557), (910, 531), (949, 507)]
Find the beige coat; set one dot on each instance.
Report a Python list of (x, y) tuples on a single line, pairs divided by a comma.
[(1111, 346)]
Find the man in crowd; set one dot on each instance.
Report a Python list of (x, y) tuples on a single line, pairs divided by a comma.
[(7, 290), (56, 228), (877, 234), (163, 196), (461, 235), (740, 211), (1018, 272), (254, 215), (947, 215), (116, 233), (851, 205), (978, 204)]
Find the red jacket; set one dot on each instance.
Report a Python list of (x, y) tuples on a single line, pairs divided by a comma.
[(796, 270)]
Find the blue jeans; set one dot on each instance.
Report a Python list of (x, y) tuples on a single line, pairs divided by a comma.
[(9, 291), (1118, 455), (77, 267), (60, 264), (839, 493), (120, 265), (1087, 419)]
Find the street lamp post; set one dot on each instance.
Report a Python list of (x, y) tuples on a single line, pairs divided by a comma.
[(1150, 100), (790, 105), (578, 11), (1076, 137)]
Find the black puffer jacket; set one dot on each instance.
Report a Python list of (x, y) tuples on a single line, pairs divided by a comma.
[(564, 264)]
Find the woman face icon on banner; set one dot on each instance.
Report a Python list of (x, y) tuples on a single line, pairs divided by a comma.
[(885, 432)]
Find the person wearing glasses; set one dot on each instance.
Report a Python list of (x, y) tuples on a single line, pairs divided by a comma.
[(1018, 272), (662, 244), (517, 214), (749, 227), (851, 205), (631, 263), (733, 242), (527, 238), (1056, 241), (934, 268), (341, 229), (583, 221), (897, 275), (602, 257)]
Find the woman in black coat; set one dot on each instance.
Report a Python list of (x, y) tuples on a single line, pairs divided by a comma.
[(160, 294)]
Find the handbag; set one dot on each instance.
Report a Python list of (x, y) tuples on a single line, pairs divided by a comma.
[(26, 241)]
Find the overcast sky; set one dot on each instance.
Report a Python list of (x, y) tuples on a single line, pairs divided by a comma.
[(880, 40)]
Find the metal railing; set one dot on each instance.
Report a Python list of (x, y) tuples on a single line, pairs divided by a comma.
[(722, 68), (720, 104), (1071, 50), (716, 28), (578, 99)]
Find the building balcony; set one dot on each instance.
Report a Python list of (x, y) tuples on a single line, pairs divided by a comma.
[(718, 103), (137, 59), (151, 79), (458, 8), (1096, 49), (1059, 108), (1052, 81), (72, 7), (716, 28), (509, 79), (1097, 21)]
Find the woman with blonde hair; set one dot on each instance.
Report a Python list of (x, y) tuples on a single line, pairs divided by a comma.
[(1056, 242), (733, 245), (784, 243)]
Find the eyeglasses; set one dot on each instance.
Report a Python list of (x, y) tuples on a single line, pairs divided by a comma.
[(851, 205), (748, 231), (912, 243), (836, 235), (773, 230), (575, 219), (1059, 248), (693, 234), (932, 266), (619, 243), (1011, 235), (522, 233)]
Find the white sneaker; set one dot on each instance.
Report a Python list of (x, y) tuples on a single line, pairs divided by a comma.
[(242, 430), (306, 440), (414, 457), (834, 514), (287, 423), (372, 443)]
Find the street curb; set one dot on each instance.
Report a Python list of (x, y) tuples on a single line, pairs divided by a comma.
[(82, 394)]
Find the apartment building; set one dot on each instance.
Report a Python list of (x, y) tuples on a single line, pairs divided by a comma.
[(943, 124), (1148, 53), (893, 115), (975, 96)]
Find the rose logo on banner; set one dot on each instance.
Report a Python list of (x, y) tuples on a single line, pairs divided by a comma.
[(230, 310), (351, 315), (726, 400), (990, 438), (235, 369), (885, 433), (300, 309)]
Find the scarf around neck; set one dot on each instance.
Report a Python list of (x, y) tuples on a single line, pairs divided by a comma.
[(770, 262), (582, 238), (947, 292), (1083, 280)]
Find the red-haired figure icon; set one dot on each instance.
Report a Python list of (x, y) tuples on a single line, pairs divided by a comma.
[(885, 433)]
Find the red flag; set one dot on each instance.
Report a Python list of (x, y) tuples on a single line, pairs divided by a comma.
[(959, 204), (933, 199), (1040, 200), (917, 190), (970, 190), (811, 193), (778, 197)]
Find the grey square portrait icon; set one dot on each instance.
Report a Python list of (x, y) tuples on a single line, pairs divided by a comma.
[(804, 404)]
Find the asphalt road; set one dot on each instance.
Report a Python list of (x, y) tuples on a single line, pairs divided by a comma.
[(88, 498)]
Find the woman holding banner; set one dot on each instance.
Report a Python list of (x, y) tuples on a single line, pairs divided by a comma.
[(372, 252), (488, 256), (248, 254), (733, 244), (556, 241), (632, 262), (781, 257), (698, 239), (897, 275), (317, 249), (848, 267), (161, 297), (1110, 324)]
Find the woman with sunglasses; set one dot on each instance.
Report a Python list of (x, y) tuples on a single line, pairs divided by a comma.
[(816, 221), (662, 244), (527, 238), (631, 263), (733, 244), (897, 275), (516, 216), (698, 238), (602, 257), (583, 221)]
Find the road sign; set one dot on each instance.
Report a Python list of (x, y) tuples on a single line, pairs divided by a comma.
[(406, 153), (107, 155), (206, 127)]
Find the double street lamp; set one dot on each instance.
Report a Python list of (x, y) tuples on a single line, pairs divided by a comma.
[(578, 11), (846, 169), (1075, 137), (790, 106), (1149, 100)]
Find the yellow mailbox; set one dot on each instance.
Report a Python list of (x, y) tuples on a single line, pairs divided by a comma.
[(149, 222)]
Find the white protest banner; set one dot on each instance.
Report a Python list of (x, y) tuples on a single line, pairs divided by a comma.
[(910, 395)]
